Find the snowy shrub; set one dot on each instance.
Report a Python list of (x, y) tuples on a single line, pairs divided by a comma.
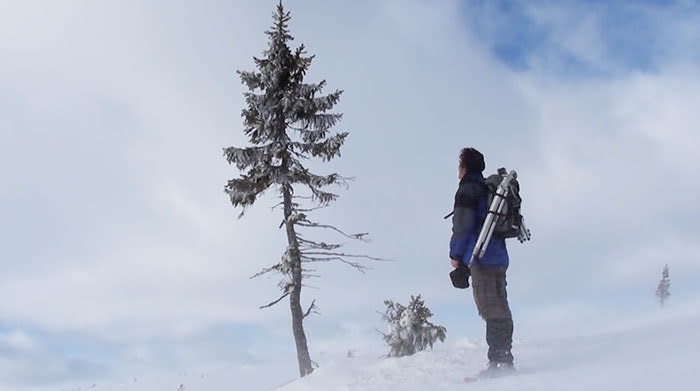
[(409, 330)]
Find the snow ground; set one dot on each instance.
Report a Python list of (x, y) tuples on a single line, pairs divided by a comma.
[(660, 353), (652, 358)]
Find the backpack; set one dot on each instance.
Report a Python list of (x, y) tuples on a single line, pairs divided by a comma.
[(509, 223)]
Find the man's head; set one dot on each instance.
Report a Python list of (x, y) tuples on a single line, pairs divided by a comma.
[(470, 160)]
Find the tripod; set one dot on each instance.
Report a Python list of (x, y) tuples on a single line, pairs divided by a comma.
[(497, 209)]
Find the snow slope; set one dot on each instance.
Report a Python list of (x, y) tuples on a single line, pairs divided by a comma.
[(656, 353), (655, 356)]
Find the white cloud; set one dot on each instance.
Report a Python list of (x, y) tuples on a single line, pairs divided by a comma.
[(113, 118), (17, 340)]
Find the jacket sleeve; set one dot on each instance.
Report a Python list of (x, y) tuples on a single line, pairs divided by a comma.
[(463, 222)]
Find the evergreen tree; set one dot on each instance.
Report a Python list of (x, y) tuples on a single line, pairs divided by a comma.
[(663, 290), (409, 330), (289, 121)]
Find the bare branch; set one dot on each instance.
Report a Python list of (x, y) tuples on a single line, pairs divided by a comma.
[(360, 267), (343, 255), (357, 265), (275, 302), (311, 245), (265, 271), (312, 308), (320, 246), (313, 209), (315, 259), (309, 224)]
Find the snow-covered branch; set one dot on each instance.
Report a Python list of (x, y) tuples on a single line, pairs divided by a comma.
[(309, 224), (334, 254), (244, 157), (276, 301), (265, 271), (311, 245)]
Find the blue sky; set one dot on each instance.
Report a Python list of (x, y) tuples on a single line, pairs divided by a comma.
[(121, 254), (636, 35)]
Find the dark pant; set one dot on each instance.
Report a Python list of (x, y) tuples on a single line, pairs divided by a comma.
[(489, 285)]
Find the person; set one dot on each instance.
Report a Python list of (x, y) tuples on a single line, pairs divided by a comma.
[(489, 272)]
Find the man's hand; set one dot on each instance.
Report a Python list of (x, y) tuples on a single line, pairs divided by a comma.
[(454, 263)]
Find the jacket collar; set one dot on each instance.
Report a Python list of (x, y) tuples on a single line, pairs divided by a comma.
[(473, 177)]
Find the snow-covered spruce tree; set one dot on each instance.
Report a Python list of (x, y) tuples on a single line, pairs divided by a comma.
[(663, 290), (409, 330), (288, 122)]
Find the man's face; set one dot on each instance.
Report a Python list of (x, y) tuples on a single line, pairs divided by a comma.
[(461, 171)]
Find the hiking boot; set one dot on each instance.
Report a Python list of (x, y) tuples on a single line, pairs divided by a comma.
[(497, 369)]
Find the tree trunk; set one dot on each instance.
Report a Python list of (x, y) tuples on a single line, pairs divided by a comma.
[(303, 356)]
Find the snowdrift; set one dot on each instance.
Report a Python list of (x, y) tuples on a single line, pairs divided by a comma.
[(660, 355)]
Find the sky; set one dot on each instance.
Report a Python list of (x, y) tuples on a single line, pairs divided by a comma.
[(122, 255)]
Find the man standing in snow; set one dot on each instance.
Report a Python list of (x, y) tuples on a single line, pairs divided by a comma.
[(489, 272)]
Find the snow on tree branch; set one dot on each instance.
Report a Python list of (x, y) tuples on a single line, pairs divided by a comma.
[(288, 121), (359, 236), (245, 157), (253, 80)]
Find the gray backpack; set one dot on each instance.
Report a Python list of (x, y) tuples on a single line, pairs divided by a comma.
[(509, 222)]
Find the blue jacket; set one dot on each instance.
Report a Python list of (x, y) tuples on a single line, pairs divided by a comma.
[(470, 210)]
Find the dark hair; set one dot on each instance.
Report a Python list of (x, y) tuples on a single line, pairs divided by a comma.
[(472, 160)]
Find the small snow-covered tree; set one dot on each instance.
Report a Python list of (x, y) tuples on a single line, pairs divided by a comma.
[(663, 290), (288, 122), (409, 330)]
